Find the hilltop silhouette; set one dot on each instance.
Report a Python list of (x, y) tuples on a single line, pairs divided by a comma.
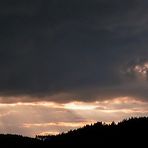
[(132, 132)]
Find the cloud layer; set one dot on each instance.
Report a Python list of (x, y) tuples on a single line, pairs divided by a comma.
[(73, 50)]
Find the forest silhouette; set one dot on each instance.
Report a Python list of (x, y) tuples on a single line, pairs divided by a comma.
[(129, 132)]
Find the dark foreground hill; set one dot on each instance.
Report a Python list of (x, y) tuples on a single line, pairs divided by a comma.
[(9, 140), (132, 132)]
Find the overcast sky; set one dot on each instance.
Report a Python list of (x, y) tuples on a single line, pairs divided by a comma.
[(65, 51)]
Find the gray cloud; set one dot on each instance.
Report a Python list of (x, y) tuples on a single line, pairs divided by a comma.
[(83, 49)]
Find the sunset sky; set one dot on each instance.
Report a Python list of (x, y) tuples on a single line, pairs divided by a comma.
[(67, 63)]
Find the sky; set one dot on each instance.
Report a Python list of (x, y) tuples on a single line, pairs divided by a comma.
[(67, 63)]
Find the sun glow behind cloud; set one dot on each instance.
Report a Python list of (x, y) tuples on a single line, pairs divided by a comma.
[(32, 118), (80, 106)]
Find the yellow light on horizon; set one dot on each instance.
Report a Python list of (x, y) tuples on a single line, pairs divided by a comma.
[(58, 124), (79, 106), (63, 116)]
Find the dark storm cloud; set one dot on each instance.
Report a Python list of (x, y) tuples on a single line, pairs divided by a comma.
[(85, 49)]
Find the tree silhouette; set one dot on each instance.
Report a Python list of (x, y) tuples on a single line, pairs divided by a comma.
[(131, 132)]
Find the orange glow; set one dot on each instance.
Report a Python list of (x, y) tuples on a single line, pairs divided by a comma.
[(47, 117), (66, 124), (48, 133), (44, 104)]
